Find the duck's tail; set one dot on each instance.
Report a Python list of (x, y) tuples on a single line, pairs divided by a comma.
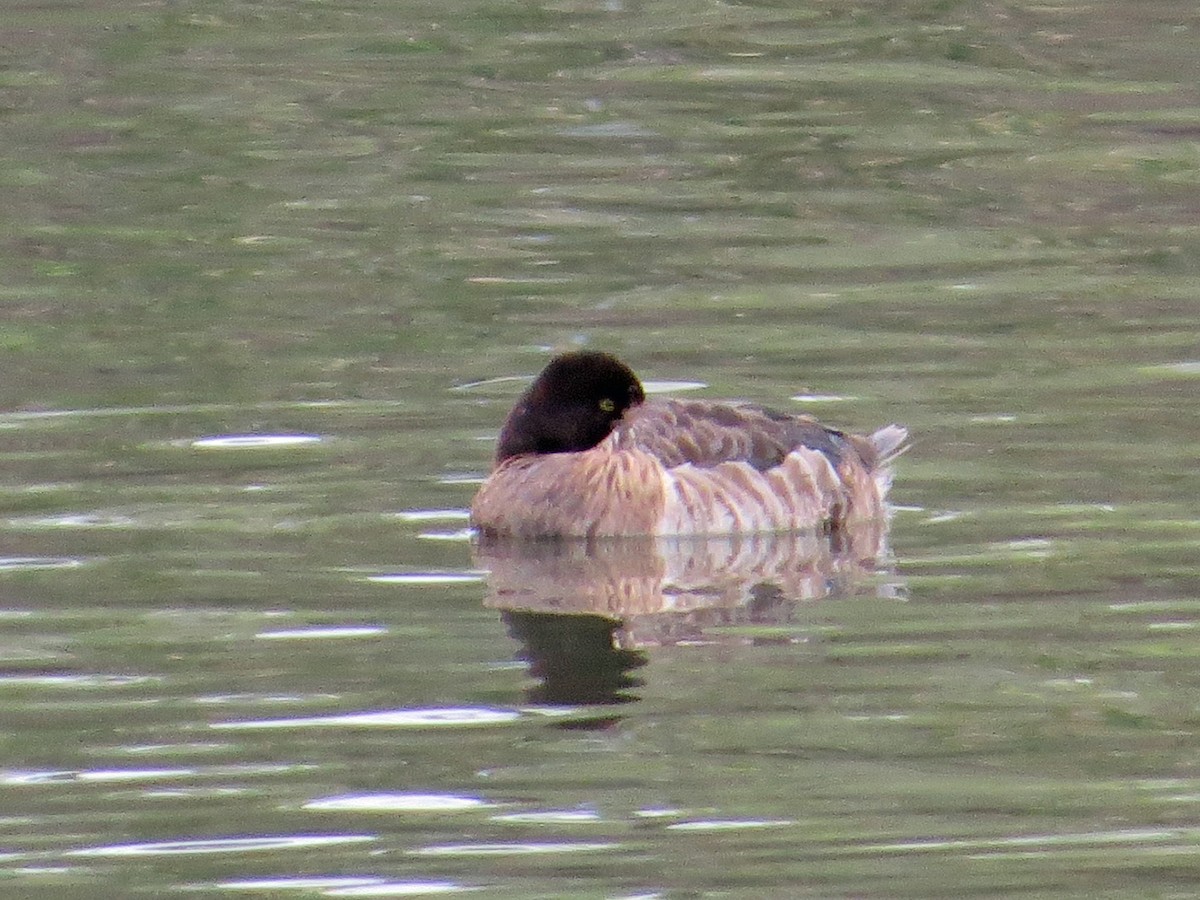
[(889, 442)]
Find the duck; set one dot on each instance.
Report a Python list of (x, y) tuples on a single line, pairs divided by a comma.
[(584, 454)]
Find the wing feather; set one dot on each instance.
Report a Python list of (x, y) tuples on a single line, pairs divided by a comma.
[(703, 434)]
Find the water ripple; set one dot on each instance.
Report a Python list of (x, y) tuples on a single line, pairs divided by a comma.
[(672, 387), (461, 478), (551, 817), (461, 535), (76, 520), (516, 848), (83, 680), (401, 889), (316, 633), (393, 718), (10, 418), (427, 578), (729, 824), (224, 845), (25, 563), (398, 803), (107, 776), (824, 398), (433, 515), (347, 886), (300, 883), (253, 441), (1093, 838)]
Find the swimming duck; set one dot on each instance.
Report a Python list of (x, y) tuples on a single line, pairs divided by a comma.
[(584, 454)]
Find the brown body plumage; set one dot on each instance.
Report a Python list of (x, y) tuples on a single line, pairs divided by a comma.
[(583, 454)]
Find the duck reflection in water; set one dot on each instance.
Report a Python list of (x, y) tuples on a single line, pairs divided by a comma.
[(587, 612), (574, 658)]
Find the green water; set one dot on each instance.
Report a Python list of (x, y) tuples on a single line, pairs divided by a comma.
[(278, 670)]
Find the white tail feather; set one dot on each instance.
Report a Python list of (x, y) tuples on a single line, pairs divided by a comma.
[(889, 442)]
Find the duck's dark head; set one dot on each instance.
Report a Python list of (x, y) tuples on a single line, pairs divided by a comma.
[(571, 406)]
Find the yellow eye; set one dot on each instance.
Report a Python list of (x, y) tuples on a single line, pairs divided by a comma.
[(607, 405)]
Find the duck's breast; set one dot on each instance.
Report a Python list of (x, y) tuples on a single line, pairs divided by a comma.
[(591, 493)]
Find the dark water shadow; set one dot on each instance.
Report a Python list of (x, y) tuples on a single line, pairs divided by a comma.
[(575, 658), (587, 613)]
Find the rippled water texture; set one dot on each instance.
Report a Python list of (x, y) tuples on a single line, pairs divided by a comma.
[(273, 273)]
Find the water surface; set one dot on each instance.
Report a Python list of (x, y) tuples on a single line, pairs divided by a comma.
[(274, 272)]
